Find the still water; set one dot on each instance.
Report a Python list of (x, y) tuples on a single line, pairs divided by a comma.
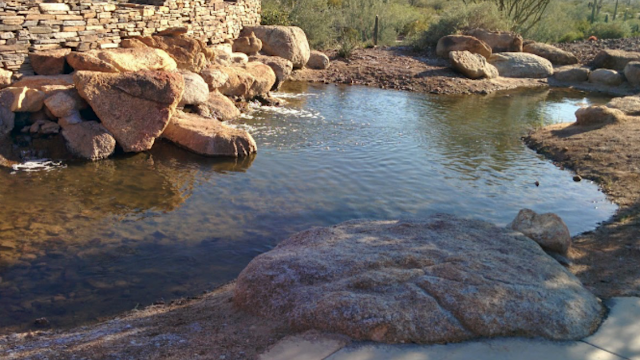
[(88, 240)]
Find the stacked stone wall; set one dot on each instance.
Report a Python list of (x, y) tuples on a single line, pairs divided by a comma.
[(28, 25)]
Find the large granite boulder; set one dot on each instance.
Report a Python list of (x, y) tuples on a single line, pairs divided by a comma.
[(440, 280), (249, 44), (281, 67), (134, 107), (614, 59), (632, 73), (318, 60), (630, 105), (206, 136), (571, 74), (599, 115), (218, 106), (196, 90), (462, 43), (289, 42), (89, 140), (499, 41), (548, 230), (556, 55), (49, 62), (606, 77), (264, 79), (473, 66), (189, 53), (121, 60), (521, 65)]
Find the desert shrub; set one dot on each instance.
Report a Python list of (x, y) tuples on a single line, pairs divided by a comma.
[(348, 42), (571, 36), (611, 30), (318, 21), (461, 17)]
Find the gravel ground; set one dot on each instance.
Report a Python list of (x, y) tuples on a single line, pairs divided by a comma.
[(587, 50)]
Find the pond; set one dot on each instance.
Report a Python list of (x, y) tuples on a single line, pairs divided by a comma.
[(83, 241)]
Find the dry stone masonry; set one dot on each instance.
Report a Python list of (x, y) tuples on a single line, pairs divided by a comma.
[(31, 26)]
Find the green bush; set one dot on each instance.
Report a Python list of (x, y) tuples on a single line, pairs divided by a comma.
[(348, 42), (461, 17), (571, 36), (611, 30)]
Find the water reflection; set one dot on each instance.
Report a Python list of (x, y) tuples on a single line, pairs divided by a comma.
[(95, 239)]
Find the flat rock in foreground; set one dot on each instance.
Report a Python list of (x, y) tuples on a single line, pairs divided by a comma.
[(440, 280)]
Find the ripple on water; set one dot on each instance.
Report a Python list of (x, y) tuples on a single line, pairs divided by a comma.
[(94, 239)]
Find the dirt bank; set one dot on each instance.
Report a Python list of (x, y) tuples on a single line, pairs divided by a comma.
[(402, 69), (606, 260), (586, 50)]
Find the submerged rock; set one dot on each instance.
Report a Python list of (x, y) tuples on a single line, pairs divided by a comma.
[(443, 279), (521, 65), (209, 136), (134, 107), (548, 230)]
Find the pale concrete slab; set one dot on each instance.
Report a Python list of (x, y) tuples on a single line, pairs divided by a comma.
[(620, 332), (308, 346), (496, 349)]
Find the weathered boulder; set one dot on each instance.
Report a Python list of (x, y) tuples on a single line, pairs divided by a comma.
[(473, 66), (214, 77), (598, 115), (89, 140), (462, 43), (196, 90), (208, 136), (318, 60), (630, 105), (440, 280), (548, 230), (288, 42), (189, 54), (121, 60), (173, 31), (22, 99), (281, 67), (573, 74), (252, 80), (64, 103), (499, 41), (249, 44), (264, 79), (632, 73), (49, 62), (614, 59), (134, 107), (556, 55), (239, 81), (606, 77), (219, 107), (39, 81), (521, 65), (5, 78)]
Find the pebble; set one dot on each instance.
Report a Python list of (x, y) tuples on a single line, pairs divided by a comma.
[(577, 178), (41, 322)]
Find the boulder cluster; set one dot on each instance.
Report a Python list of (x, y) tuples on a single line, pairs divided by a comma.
[(167, 86)]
